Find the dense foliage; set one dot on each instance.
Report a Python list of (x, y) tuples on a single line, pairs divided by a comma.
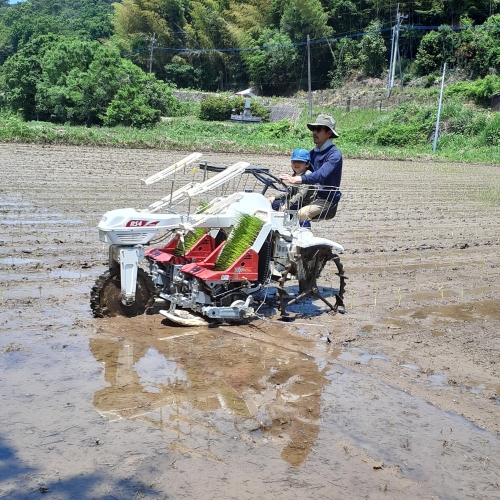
[(86, 19), (85, 61), (203, 44), (56, 78)]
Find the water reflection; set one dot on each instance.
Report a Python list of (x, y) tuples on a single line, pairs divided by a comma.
[(270, 394)]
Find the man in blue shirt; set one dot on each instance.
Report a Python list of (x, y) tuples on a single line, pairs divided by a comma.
[(326, 165)]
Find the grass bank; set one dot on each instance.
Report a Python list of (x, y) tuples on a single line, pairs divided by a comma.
[(407, 132)]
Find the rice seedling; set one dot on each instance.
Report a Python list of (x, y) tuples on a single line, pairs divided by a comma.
[(186, 243), (242, 237)]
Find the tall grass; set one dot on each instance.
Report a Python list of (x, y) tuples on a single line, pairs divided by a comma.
[(465, 134)]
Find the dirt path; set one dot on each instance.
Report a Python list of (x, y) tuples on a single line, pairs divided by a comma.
[(135, 409)]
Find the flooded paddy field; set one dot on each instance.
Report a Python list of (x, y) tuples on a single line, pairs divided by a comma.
[(403, 402)]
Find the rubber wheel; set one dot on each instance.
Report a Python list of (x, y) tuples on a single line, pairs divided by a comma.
[(106, 295)]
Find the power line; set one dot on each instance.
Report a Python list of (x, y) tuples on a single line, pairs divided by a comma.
[(319, 40)]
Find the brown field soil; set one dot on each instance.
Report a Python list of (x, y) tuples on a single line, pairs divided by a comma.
[(404, 402)]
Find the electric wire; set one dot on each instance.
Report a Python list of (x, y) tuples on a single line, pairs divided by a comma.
[(316, 41)]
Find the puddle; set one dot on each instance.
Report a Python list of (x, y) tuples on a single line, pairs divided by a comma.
[(411, 366), (14, 261), (263, 387), (12, 204), (395, 323), (365, 330), (155, 370), (436, 333), (438, 381), (476, 390), (203, 385), (359, 356), (460, 312)]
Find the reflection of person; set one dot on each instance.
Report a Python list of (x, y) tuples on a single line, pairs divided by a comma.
[(298, 197), (326, 166), (164, 384)]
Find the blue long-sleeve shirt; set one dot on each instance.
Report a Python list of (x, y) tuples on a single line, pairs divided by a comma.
[(326, 165)]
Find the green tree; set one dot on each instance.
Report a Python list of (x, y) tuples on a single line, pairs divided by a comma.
[(131, 108), (485, 48), (62, 79), (345, 61), (436, 48), (305, 17), (183, 74), (273, 68), (372, 51), (138, 22), (19, 23), (22, 73), (207, 29)]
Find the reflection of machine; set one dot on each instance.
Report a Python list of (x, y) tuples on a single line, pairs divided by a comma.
[(222, 244), (179, 382)]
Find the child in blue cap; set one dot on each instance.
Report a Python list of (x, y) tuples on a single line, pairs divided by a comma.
[(297, 197)]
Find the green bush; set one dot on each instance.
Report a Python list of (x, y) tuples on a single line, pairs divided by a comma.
[(130, 107), (459, 119), (61, 79), (359, 135), (186, 108), (275, 130), (490, 135), (219, 108), (400, 135), (478, 91)]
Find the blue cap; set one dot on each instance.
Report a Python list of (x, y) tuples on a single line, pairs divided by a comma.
[(301, 154)]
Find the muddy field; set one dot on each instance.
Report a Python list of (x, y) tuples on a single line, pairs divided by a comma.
[(404, 402)]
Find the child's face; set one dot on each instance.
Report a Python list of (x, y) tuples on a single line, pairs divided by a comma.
[(299, 167)]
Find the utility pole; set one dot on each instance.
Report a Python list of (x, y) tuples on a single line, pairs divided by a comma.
[(309, 75), (436, 132), (389, 86), (395, 53), (153, 41)]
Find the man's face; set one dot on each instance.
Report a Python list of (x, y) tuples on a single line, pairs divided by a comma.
[(299, 167), (320, 135)]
